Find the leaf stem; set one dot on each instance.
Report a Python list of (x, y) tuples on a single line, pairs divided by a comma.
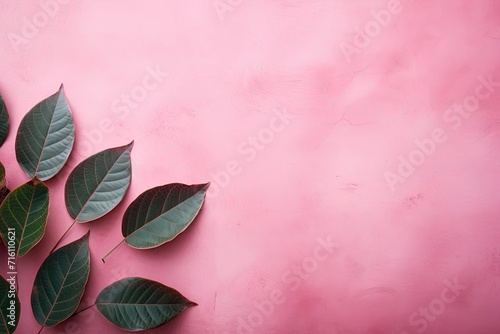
[(60, 239), (41, 329), (105, 256), (82, 310)]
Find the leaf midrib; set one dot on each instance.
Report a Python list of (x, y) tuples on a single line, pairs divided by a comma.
[(61, 287), (98, 185), (47, 134), (26, 220), (164, 213)]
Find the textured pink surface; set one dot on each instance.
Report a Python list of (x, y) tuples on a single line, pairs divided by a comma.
[(310, 134)]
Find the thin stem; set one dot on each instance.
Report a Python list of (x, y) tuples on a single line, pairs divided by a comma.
[(41, 329), (105, 256), (82, 310), (60, 239)]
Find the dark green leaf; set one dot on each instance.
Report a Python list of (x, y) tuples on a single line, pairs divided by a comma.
[(45, 137), (136, 303), (10, 308), (2, 175), (4, 191), (98, 184), (4, 121), (60, 283), (160, 214), (25, 211)]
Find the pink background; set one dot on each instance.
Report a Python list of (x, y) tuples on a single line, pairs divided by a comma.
[(360, 104)]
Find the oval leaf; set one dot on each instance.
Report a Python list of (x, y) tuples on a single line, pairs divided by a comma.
[(45, 137), (98, 184), (24, 212), (4, 191), (10, 307), (4, 121), (60, 283), (160, 214), (136, 303)]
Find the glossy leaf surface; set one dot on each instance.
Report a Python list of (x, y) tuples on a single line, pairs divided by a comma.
[(10, 308), (98, 184), (25, 211), (60, 283), (45, 137), (160, 214), (136, 303)]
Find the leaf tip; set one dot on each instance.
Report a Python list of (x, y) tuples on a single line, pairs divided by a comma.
[(124, 148), (61, 88)]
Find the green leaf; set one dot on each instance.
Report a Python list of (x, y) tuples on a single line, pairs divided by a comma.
[(4, 121), (60, 283), (2, 175), (24, 212), (136, 303), (160, 214), (98, 184), (10, 307), (45, 137), (4, 191)]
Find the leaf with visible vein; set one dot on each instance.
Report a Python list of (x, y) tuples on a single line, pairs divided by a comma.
[(60, 283), (45, 137), (160, 214), (10, 308), (25, 210), (98, 184), (135, 303)]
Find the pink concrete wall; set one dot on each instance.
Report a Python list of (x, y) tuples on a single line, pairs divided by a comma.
[(353, 149)]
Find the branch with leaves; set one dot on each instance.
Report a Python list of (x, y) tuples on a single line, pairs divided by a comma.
[(43, 144)]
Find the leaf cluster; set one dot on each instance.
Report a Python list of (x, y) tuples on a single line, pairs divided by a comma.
[(43, 144)]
